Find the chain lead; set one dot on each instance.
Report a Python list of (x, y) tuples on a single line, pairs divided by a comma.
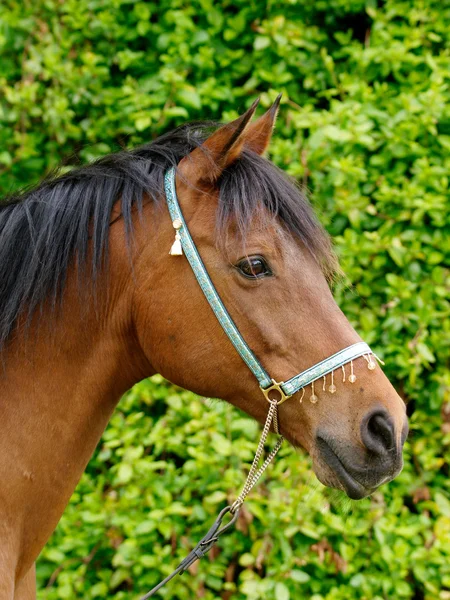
[(255, 473)]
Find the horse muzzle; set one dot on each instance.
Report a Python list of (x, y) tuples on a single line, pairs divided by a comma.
[(360, 470)]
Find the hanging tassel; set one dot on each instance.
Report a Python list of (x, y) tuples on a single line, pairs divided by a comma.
[(177, 249)]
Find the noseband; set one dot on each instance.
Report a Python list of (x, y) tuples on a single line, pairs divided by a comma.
[(275, 392)]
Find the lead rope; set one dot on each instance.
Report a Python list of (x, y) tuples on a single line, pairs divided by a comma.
[(208, 541)]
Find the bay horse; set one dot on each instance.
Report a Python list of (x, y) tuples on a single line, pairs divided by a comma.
[(92, 302)]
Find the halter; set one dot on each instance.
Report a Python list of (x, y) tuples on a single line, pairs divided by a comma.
[(276, 392)]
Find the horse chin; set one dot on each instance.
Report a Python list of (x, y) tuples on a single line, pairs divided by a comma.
[(344, 482), (338, 477)]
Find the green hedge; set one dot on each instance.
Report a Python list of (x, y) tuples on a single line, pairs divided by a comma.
[(365, 124)]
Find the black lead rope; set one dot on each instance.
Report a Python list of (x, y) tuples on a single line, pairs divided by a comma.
[(202, 548)]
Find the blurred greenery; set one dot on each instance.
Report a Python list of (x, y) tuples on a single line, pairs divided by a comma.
[(365, 125)]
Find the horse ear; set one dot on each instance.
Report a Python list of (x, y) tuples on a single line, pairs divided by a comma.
[(259, 133), (220, 150)]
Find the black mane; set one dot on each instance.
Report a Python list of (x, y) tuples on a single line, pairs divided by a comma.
[(42, 230)]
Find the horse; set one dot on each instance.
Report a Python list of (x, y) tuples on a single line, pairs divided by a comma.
[(93, 301)]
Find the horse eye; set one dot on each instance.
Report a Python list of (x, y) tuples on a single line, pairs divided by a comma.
[(253, 267)]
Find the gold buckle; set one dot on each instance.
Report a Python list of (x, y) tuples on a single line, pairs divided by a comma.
[(275, 387)]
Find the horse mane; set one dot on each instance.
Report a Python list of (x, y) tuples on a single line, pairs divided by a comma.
[(66, 217)]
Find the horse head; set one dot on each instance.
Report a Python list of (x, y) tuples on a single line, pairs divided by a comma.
[(271, 263)]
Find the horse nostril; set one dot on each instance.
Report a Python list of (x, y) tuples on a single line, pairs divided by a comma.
[(378, 432)]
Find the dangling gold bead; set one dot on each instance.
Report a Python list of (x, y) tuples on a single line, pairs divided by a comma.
[(370, 362), (301, 397), (313, 398), (332, 387), (352, 376)]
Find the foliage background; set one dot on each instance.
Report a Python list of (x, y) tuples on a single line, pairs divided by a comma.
[(365, 124)]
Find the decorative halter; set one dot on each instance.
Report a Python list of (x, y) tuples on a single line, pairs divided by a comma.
[(276, 392)]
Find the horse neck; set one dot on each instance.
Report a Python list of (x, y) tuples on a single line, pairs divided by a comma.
[(60, 384)]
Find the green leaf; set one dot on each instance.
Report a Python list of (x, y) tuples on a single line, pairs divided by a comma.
[(54, 555), (118, 577), (190, 98), (261, 42), (425, 352), (443, 504), (299, 576), (282, 592), (125, 473)]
